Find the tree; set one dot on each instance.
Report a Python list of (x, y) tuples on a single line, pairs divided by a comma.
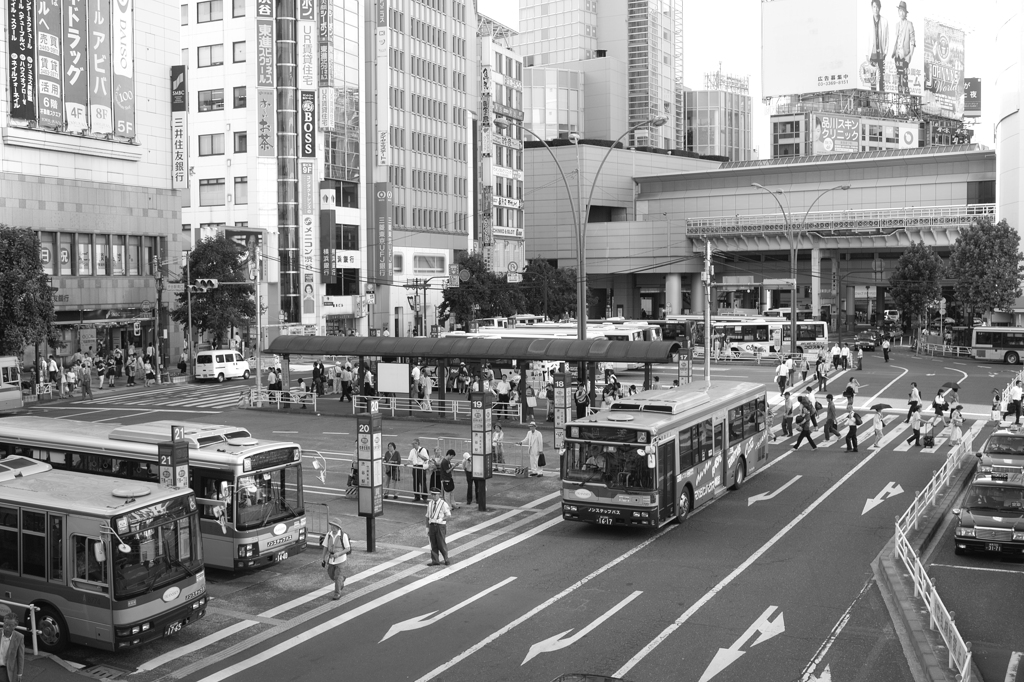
[(914, 284), (986, 264), (549, 290), (216, 310), (484, 294), (26, 297)]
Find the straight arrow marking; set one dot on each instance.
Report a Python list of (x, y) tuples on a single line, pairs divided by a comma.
[(892, 489), (768, 496), (429, 618), (555, 643), (767, 629)]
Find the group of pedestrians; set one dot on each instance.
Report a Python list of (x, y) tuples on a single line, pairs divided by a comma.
[(79, 373)]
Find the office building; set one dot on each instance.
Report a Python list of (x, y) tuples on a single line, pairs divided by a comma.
[(718, 119), (85, 160)]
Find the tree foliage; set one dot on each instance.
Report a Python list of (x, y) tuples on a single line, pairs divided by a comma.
[(218, 309), (548, 290), (484, 294), (914, 284), (26, 297), (986, 264)]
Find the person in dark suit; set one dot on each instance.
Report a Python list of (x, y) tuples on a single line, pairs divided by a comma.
[(12, 650)]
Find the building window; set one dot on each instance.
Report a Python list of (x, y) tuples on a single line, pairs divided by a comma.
[(211, 192), (84, 256), (117, 254), (211, 100), (211, 10), (238, 95), (426, 265), (238, 51), (102, 258), (241, 142), (184, 15), (134, 255), (238, 8), (211, 55), (47, 252), (241, 190), (211, 145)]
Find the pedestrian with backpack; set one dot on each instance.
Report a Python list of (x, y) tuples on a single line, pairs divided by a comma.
[(851, 433), (337, 547)]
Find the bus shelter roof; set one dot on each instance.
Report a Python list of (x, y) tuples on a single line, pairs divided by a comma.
[(465, 350)]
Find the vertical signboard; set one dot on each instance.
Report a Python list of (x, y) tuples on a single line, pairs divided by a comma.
[(563, 406), (383, 41), (179, 128), (265, 138), (943, 70), (172, 459), (123, 57), (486, 213), (307, 124), (972, 97), (264, 43), (328, 201), (370, 461), (486, 144), (309, 261), (101, 116), (382, 268), (325, 109), (21, 44), (76, 65), (48, 68), (307, 45), (480, 429), (325, 43)]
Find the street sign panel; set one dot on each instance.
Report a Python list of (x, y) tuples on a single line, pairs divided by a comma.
[(174, 287), (513, 277)]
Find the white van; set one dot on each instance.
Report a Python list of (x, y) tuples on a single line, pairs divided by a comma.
[(893, 315), (221, 365)]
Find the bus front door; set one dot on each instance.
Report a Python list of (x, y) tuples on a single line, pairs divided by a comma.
[(666, 481)]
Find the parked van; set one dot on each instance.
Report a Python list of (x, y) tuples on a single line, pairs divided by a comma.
[(893, 315), (221, 365)]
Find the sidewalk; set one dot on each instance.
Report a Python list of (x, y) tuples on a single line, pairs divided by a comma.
[(47, 668)]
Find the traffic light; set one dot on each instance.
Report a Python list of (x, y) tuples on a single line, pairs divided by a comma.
[(207, 283), (195, 289)]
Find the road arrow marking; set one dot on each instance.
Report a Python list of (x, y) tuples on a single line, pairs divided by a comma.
[(555, 643), (429, 618), (726, 657), (890, 490), (768, 496), (826, 676)]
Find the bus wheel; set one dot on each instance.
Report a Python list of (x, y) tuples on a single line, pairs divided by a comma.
[(1012, 358), (800, 350), (53, 633), (741, 475), (685, 505)]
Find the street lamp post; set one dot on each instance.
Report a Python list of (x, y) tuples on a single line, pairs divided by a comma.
[(793, 249)]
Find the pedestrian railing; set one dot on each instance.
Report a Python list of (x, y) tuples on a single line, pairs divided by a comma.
[(253, 397), (944, 349), (939, 617), (317, 518), (31, 608)]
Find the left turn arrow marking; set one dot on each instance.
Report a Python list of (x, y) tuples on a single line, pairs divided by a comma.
[(429, 618), (555, 643)]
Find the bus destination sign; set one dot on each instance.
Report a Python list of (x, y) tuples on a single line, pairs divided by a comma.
[(608, 434), (271, 458)]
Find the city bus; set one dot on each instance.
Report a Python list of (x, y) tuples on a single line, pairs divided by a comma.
[(11, 397), (785, 313), (655, 457), (1004, 344), (261, 520), (110, 564), (754, 337)]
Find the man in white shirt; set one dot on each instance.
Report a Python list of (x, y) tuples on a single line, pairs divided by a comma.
[(535, 442), (337, 547), (781, 376), (1015, 396), (438, 512), (915, 400), (885, 349), (844, 356), (346, 383), (503, 388), (835, 353), (419, 459)]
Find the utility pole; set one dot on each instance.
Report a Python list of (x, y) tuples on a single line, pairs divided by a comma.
[(259, 320), (156, 317), (707, 275), (191, 336)]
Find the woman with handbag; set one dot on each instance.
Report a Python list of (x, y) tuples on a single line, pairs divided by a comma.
[(447, 480), (498, 443), (392, 470), (956, 419)]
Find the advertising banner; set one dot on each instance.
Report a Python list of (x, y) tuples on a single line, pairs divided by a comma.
[(972, 97), (325, 43), (250, 240), (325, 109), (944, 70), (307, 55), (123, 56), (328, 201), (21, 45), (307, 124), (383, 42), (101, 116), (264, 43), (382, 250), (309, 256), (76, 65), (307, 10), (836, 134), (48, 26), (179, 128), (265, 122)]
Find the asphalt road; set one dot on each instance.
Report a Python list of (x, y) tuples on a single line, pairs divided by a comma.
[(779, 588)]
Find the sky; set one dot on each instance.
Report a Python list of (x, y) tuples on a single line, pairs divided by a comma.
[(728, 33)]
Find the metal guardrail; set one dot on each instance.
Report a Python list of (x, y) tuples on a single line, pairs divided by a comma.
[(32, 608), (916, 218), (251, 397), (944, 349)]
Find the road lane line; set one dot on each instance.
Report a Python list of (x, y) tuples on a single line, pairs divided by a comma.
[(736, 572), (255, 659), (537, 609), (807, 674), (980, 568), (1013, 667)]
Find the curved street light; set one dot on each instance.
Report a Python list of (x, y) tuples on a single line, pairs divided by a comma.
[(776, 193)]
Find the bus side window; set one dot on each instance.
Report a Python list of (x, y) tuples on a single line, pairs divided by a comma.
[(8, 539), (56, 541), (707, 442), (688, 442), (735, 424), (761, 412), (87, 568), (33, 543)]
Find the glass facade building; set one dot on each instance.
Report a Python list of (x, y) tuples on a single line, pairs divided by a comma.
[(718, 123)]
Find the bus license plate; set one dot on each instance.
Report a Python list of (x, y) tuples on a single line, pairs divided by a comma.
[(994, 547), (280, 556), (604, 520), (172, 628)]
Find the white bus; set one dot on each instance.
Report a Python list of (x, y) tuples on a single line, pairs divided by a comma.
[(11, 397), (109, 563), (1004, 344), (759, 337), (262, 520), (785, 313)]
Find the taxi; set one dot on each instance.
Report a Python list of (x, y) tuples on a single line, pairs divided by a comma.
[(991, 518), (1002, 453)]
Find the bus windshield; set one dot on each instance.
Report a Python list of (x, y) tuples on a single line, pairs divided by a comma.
[(620, 467), (267, 497), (159, 555)]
